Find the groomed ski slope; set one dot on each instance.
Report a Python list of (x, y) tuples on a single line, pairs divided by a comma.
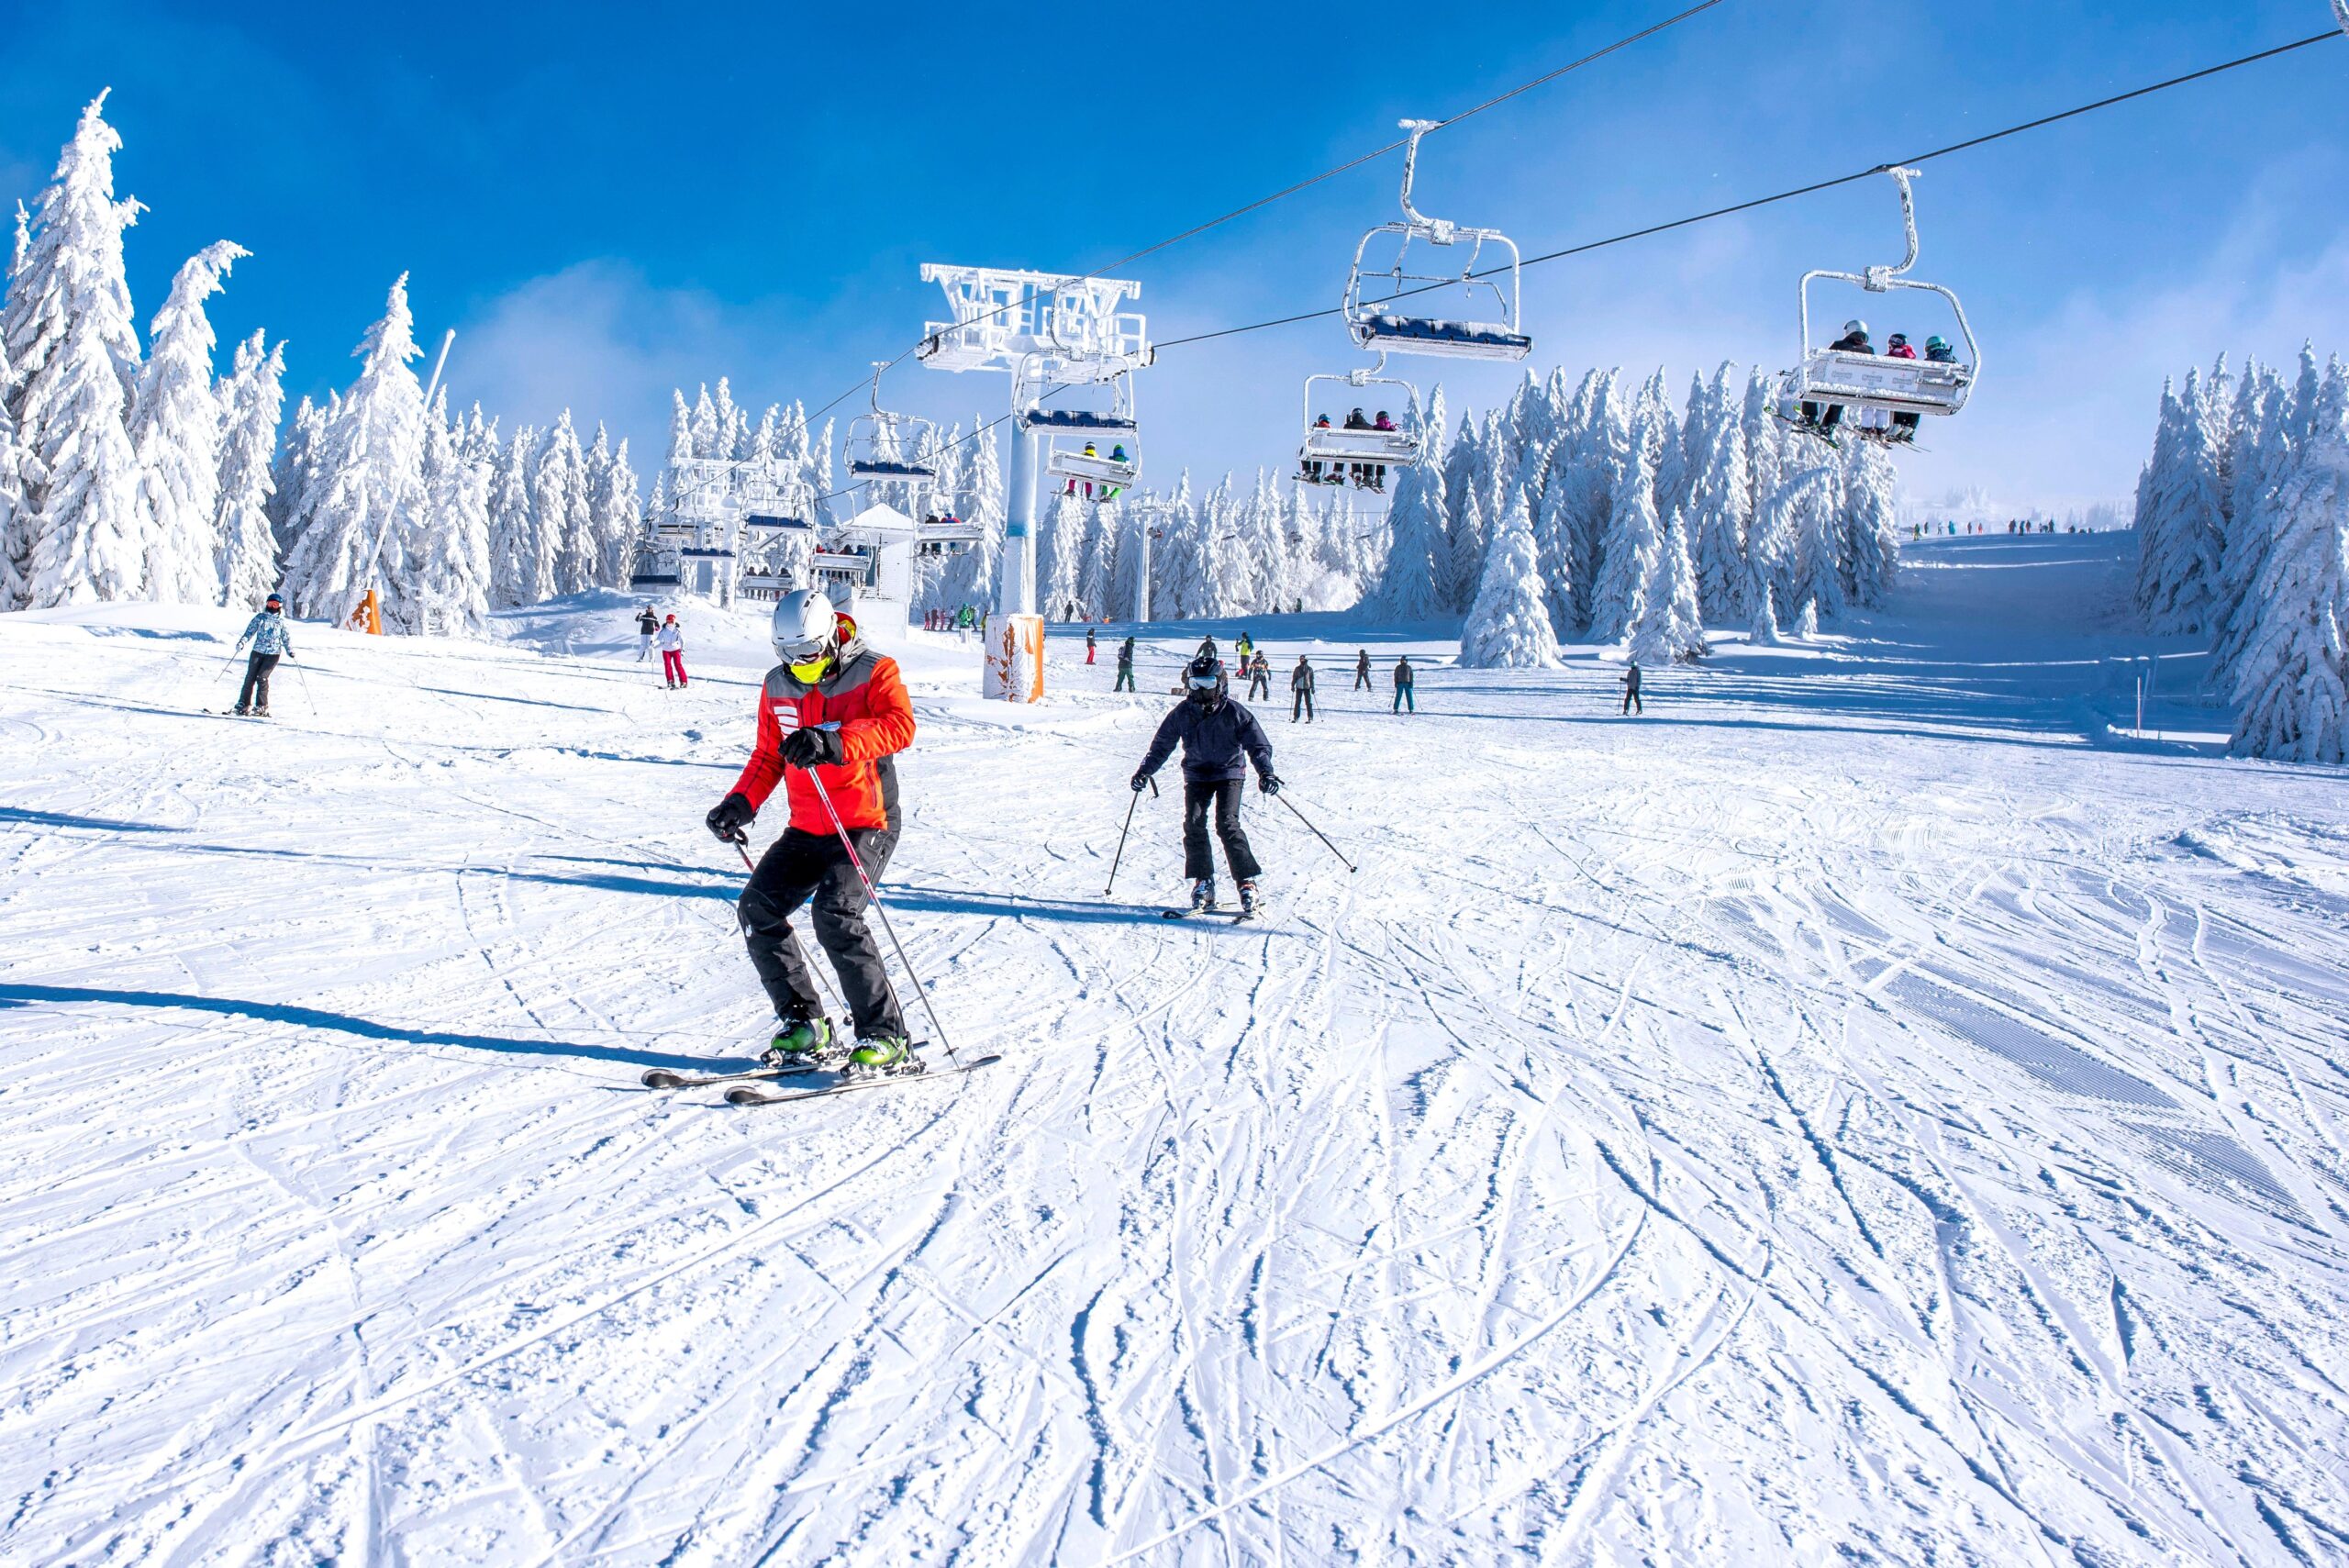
[(1865, 1111)]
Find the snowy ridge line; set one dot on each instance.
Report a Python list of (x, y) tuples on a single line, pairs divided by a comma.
[(1472, 1373)]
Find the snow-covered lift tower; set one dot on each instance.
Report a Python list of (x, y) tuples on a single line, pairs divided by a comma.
[(1043, 330)]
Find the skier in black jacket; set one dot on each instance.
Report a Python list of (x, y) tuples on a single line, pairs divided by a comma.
[(1220, 738)]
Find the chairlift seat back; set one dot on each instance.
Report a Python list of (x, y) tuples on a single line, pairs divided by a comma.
[(1875, 381), (1080, 422)]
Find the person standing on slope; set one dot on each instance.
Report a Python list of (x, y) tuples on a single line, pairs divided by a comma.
[(1404, 683), (266, 631), (672, 652), (832, 714), (1125, 666), (647, 627), (1219, 738), (1632, 690), (1088, 645), (1300, 691), (1362, 670), (1259, 674)]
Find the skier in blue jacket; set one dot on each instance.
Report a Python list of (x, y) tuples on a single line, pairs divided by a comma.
[(1219, 738), (266, 631)]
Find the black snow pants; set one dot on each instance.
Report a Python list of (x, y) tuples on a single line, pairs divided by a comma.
[(256, 691), (1300, 701), (814, 870), (1198, 856)]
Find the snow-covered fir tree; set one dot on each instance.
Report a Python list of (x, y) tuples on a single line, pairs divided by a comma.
[(1634, 535), (2180, 524), (1508, 626), (361, 506), (2258, 446), (1412, 579), (176, 428), (1818, 582), (1719, 504), (253, 398), (1764, 631), (451, 550), (75, 352), (2292, 680), (1871, 542), (567, 547), (614, 507), (13, 511), (513, 526), (1671, 625), (295, 469)]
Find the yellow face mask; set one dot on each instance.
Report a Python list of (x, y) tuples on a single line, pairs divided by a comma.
[(808, 674)]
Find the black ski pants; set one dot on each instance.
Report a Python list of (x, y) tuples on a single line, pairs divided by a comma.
[(1362, 680), (1301, 703), (1631, 701), (813, 868), (256, 690), (1198, 855)]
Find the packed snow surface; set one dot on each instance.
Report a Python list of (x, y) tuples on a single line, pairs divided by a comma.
[(1866, 1109)]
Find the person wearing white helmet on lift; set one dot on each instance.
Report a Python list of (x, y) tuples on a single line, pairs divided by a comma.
[(1855, 340), (833, 712)]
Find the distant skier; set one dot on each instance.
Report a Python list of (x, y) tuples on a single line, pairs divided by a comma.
[(672, 652), (1632, 690), (1244, 646), (1300, 691), (834, 706), (1219, 738), (1088, 645), (266, 631), (1404, 683), (1362, 670), (1125, 666), (1260, 675), (1206, 649), (646, 628)]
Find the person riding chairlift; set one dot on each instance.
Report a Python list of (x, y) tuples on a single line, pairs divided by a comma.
[(1385, 422), (1070, 490), (1313, 468), (1111, 491), (1855, 340), (1359, 471), (1904, 426)]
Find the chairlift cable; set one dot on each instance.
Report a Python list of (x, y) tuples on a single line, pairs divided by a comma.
[(1811, 189)]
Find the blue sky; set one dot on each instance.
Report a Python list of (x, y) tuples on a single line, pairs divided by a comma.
[(605, 206)]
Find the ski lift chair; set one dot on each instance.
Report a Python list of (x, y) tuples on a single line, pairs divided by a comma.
[(1875, 386), (1068, 431), (1328, 451), (886, 447), (1386, 323)]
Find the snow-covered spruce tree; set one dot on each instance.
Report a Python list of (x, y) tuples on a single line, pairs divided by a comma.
[(1671, 628), (1096, 581), (1717, 510), (16, 518), (1871, 544), (69, 337), (2179, 519), (291, 475), (1766, 438), (1554, 543), (1658, 430), (2292, 682), (1765, 630), (1508, 626), (253, 398), (2258, 446), (566, 542), (615, 509), (369, 481), (1806, 623), (453, 567), (1411, 579), (1634, 536), (176, 428), (513, 528), (1063, 554), (1818, 536)]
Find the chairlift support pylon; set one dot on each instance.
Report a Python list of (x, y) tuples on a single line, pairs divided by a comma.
[(1878, 383), (1337, 448), (1387, 323)]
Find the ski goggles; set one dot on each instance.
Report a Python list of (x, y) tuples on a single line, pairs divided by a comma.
[(1206, 683)]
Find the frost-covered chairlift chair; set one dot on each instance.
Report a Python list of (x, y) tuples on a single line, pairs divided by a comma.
[(887, 448), (1386, 323), (1336, 449), (1876, 385), (1068, 429)]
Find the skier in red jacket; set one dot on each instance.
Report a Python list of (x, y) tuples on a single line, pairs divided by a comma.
[(834, 712)]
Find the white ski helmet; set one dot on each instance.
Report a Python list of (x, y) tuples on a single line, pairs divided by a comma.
[(804, 626), (1855, 326)]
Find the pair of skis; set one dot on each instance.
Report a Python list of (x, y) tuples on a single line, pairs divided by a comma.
[(1236, 918), (746, 1089)]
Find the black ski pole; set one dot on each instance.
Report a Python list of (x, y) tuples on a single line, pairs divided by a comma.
[(1121, 835), (874, 893), (1317, 832)]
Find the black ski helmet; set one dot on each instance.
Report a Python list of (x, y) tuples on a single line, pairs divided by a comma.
[(1205, 680)]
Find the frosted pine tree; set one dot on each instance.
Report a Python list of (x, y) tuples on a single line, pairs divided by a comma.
[(291, 476), (2292, 682), (453, 566), (1635, 537), (253, 398), (1765, 630), (614, 510), (2258, 446), (1063, 554), (513, 528), (15, 517), (69, 336), (1671, 626), (369, 480), (2180, 520), (1767, 459), (176, 428), (1871, 524), (1508, 626), (1411, 584), (1819, 561), (566, 544), (708, 435), (1806, 623)]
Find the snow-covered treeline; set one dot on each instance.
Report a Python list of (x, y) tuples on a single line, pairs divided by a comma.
[(131, 474), (2242, 537), (1591, 511)]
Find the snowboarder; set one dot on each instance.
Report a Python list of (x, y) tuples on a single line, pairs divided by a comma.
[(1125, 666), (1362, 670), (1632, 690), (646, 628), (1260, 675), (1300, 691), (833, 713), (672, 652), (1088, 645), (266, 631), (1219, 738), (1405, 681)]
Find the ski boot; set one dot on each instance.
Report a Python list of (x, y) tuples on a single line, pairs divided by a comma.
[(1203, 895), (1249, 908), (883, 1055), (242, 712), (261, 713), (800, 1043)]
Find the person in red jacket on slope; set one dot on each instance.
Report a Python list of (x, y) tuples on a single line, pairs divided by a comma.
[(836, 712)]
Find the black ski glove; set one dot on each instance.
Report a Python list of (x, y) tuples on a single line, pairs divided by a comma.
[(811, 747), (1269, 782), (731, 816), (1141, 783)]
